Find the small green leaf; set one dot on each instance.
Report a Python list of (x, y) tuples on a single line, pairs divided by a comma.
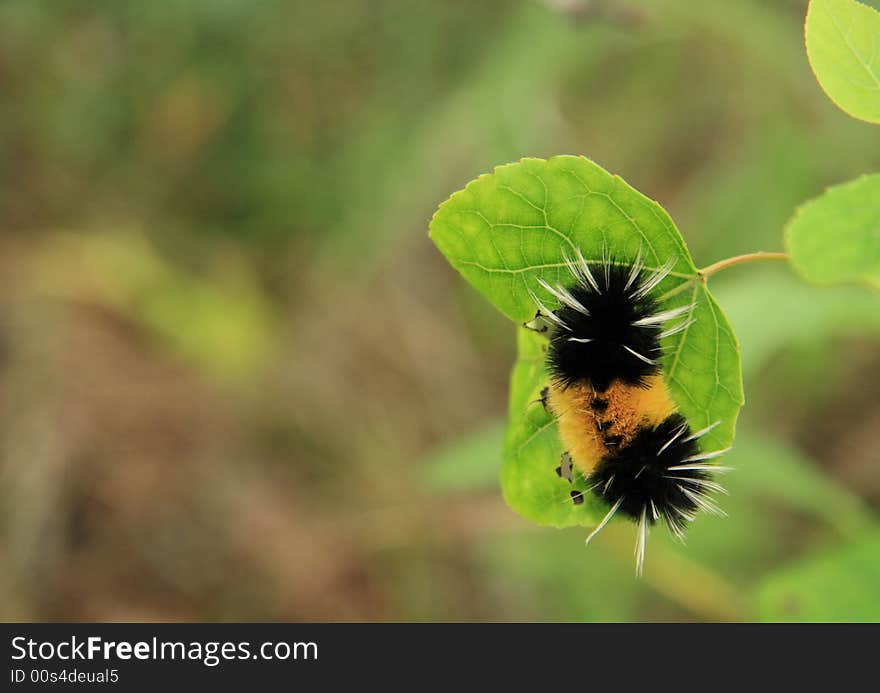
[(508, 229), (843, 46), (841, 585), (835, 238)]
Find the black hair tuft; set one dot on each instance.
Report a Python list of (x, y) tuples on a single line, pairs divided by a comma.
[(603, 342), (639, 474)]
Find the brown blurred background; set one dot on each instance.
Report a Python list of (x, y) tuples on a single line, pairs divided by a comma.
[(237, 382)]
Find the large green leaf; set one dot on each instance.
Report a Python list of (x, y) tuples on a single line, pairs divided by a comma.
[(835, 238), (842, 45), (508, 229), (841, 585)]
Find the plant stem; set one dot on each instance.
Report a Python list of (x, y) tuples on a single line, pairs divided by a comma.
[(739, 259), (698, 589)]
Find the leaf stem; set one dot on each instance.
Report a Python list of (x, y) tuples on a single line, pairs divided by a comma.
[(694, 587), (707, 272)]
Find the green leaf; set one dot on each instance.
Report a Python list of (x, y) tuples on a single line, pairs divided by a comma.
[(843, 49), (840, 585), (508, 229), (835, 238)]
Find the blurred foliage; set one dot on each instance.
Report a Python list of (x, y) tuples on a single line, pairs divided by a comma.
[(843, 584), (228, 349), (470, 461), (791, 313)]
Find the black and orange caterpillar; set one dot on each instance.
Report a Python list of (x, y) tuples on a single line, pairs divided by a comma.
[(617, 421)]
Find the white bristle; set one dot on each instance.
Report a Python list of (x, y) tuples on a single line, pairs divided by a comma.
[(650, 362), (605, 520)]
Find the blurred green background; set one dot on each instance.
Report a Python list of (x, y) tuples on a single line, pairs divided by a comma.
[(237, 382)]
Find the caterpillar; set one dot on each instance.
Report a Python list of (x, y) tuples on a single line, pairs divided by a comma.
[(616, 419)]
